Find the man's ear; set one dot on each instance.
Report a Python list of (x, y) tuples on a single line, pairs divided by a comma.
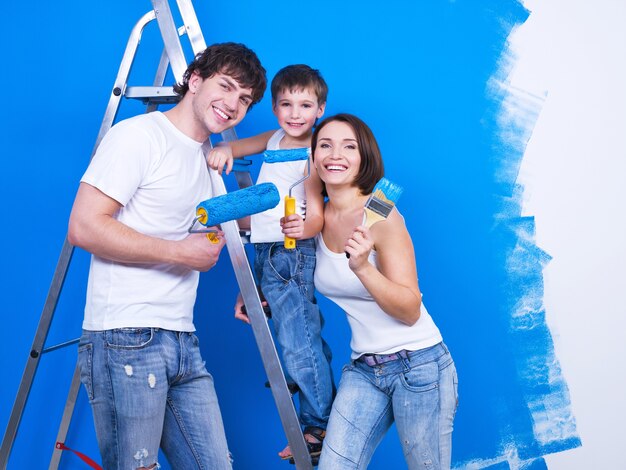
[(194, 82)]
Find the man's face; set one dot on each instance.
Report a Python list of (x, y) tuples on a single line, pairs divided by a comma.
[(219, 102)]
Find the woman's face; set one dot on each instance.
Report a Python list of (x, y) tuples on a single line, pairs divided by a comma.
[(337, 156)]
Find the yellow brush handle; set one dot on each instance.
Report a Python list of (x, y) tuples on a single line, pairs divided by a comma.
[(290, 208), (212, 237)]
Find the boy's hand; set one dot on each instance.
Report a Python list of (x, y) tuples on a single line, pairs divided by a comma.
[(219, 156), (240, 313), (293, 226), (240, 309)]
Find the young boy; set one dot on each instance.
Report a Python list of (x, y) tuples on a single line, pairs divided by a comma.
[(286, 275)]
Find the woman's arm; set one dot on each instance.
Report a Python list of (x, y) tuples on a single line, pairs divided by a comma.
[(394, 287), (295, 226)]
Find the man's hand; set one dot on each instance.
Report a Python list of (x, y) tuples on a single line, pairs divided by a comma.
[(198, 252)]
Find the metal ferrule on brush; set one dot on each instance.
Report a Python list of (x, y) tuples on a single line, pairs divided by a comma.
[(380, 207)]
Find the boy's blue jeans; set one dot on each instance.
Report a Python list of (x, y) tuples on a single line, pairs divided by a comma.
[(148, 388), (286, 279), (418, 392)]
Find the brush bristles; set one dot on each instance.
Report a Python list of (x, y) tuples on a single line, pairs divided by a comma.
[(387, 191)]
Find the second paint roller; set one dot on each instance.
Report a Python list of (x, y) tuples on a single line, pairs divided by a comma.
[(290, 155), (237, 204)]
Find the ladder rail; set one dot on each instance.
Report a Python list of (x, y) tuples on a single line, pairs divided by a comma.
[(67, 251), (263, 337), (68, 411), (35, 353)]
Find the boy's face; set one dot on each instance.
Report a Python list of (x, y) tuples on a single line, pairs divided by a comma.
[(297, 111), (219, 102)]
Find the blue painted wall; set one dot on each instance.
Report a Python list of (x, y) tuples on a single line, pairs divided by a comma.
[(416, 72)]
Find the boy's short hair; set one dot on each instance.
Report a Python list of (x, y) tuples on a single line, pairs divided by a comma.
[(371, 169), (299, 77), (229, 58)]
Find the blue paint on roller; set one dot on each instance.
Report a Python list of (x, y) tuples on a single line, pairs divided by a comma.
[(240, 203), (286, 155)]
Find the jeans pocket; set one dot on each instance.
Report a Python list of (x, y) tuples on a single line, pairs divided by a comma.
[(421, 378), (283, 263), (85, 364), (129, 338)]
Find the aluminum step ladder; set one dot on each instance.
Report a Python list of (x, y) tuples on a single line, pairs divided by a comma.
[(153, 96)]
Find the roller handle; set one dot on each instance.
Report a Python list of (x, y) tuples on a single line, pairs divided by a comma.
[(202, 216), (290, 208)]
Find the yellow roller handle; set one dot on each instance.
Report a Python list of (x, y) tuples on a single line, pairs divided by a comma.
[(202, 218), (290, 208)]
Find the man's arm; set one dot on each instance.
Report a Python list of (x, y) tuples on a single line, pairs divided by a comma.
[(93, 228)]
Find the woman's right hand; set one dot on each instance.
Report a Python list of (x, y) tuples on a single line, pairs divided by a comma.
[(359, 246)]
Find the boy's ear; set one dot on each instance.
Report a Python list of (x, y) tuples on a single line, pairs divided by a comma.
[(321, 109)]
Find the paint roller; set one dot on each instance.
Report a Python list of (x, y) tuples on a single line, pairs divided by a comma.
[(235, 205), (290, 155)]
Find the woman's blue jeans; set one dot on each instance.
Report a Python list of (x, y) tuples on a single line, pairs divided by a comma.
[(418, 393), (148, 388), (286, 279)]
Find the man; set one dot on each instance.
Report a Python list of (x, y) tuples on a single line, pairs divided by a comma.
[(139, 359)]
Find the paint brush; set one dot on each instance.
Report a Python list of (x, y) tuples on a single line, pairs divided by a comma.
[(380, 203)]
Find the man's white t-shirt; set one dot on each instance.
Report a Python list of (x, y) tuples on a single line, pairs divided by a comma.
[(159, 175)]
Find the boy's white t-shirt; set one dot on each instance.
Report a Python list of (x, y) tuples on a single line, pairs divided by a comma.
[(265, 227), (159, 175)]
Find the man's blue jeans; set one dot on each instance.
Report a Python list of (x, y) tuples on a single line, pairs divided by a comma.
[(286, 279), (148, 388), (418, 393)]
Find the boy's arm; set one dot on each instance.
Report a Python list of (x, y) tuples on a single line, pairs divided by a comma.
[(224, 152)]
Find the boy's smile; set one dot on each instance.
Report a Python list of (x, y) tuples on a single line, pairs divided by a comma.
[(297, 111)]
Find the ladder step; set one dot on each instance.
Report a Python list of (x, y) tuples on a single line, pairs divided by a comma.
[(152, 94)]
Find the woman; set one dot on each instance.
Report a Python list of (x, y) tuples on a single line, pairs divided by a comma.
[(400, 369)]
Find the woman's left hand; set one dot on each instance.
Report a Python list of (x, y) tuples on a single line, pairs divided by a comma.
[(358, 246)]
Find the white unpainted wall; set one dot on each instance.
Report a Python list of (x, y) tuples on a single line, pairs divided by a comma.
[(573, 52)]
